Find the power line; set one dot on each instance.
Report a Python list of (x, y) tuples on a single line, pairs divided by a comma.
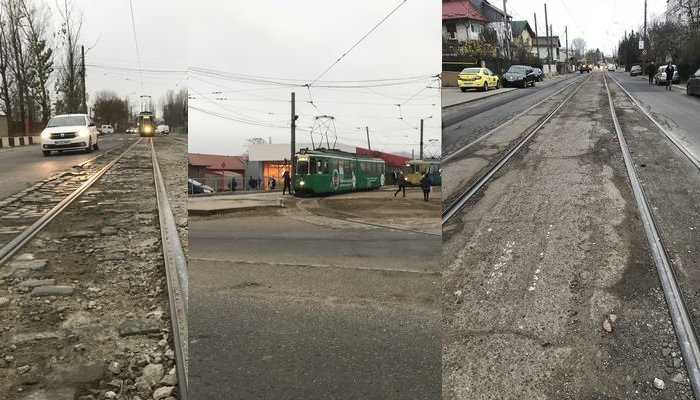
[(133, 25), (358, 42)]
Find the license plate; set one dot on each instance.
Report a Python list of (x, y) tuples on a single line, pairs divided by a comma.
[(63, 142)]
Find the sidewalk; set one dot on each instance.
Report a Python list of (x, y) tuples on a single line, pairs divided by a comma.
[(231, 202)]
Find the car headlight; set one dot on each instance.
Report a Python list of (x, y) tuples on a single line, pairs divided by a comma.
[(84, 133), (45, 135)]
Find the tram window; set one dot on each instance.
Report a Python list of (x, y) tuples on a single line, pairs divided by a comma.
[(323, 169), (303, 167), (312, 166)]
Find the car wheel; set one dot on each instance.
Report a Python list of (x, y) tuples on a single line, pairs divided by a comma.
[(524, 83), (46, 153), (486, 87), (533, 83), (687, 90), (94, 146), (88, 149), (498, 84), (463, 89)]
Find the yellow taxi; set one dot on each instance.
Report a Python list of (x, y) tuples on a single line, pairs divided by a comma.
[(478, 78)]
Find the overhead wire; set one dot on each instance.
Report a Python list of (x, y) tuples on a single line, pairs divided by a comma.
[(138, 56)]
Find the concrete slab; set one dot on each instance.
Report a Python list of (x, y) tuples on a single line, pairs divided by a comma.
[(242, 201)]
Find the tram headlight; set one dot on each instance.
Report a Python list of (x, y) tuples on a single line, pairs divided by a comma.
[(301, 183)]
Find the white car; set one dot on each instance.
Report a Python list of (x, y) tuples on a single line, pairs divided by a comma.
[(69, 132), (105, 129), (163, 129), (611, 67)]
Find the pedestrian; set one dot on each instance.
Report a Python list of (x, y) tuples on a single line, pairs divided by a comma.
[(287, 181), (251, 183), (273, 183), (425, 185), (652, 71), (259, 186), (669, 75), (395, 175), (233, 184), (401, 183)]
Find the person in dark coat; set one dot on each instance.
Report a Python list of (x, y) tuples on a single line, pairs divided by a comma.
[(669, 75), (287, 182), (425, 185), (652, 72), (233, 184), (401, 182), (251, 183)]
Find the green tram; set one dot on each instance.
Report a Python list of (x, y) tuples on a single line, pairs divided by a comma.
[(416, 168), (324, 171)]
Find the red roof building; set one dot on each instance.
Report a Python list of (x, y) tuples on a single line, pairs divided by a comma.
[(456, 10)]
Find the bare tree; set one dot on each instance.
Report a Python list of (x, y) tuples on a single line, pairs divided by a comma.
[(109, 108), (5, 73), (578, 45), (68, 85), (174, 106), (40, 63), (17, 58)]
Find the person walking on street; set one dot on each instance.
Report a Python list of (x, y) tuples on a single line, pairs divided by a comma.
[(425, 185), (287, 182), (233, 184), (669, 75), (401, 183), (652, 71), (251, 183)]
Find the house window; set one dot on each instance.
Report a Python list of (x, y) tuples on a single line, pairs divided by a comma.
[(451, 30), (473, 27)]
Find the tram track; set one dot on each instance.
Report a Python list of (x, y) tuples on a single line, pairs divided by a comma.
[(99, 223), (586, 206), (681, 318), (316, 207), (460, 200)]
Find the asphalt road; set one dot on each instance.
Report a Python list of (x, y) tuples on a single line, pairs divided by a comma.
[(21, 167), (284, 309), (675, 110)]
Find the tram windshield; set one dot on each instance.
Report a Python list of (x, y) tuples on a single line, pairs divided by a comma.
[(303, 166)]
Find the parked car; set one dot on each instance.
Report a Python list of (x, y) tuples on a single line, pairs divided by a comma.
[(539, 74), (692, 87), (611, 67), (163, 129), (519, 75), (635, 70), (106, 129), (194, 187), (478, 78), (69, 132), (660, 76)]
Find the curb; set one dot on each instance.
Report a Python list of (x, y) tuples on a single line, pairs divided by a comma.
[(500, 91)]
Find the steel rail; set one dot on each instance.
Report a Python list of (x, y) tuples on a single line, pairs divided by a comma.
[(675, 141), (452, 208), (680, 317), (176, 276), (20, 240), (492, 131)]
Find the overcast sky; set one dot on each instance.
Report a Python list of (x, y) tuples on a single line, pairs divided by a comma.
[(247, 58), (111, 61), (601, 24)]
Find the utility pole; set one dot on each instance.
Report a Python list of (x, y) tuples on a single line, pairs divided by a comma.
[(369, 147), (546, 27), (551, 45), (537, 40), (82, 77), (644, 39), (421, 139), (291, 159), (506, 33), (566, 33)]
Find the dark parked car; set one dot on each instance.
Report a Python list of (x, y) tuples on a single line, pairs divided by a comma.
[(635, 70), (693, 85), (539, 74), (519, 75), (194, 187)]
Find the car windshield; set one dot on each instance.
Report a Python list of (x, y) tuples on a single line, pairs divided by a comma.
[(66, 120), (470, 71), (517, 70)]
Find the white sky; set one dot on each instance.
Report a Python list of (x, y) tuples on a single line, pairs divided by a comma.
[(291, 40), (112, 63), (601, 23)]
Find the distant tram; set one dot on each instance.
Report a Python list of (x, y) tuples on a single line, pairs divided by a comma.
[(324, 171), (416, 168), (146, 124)]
